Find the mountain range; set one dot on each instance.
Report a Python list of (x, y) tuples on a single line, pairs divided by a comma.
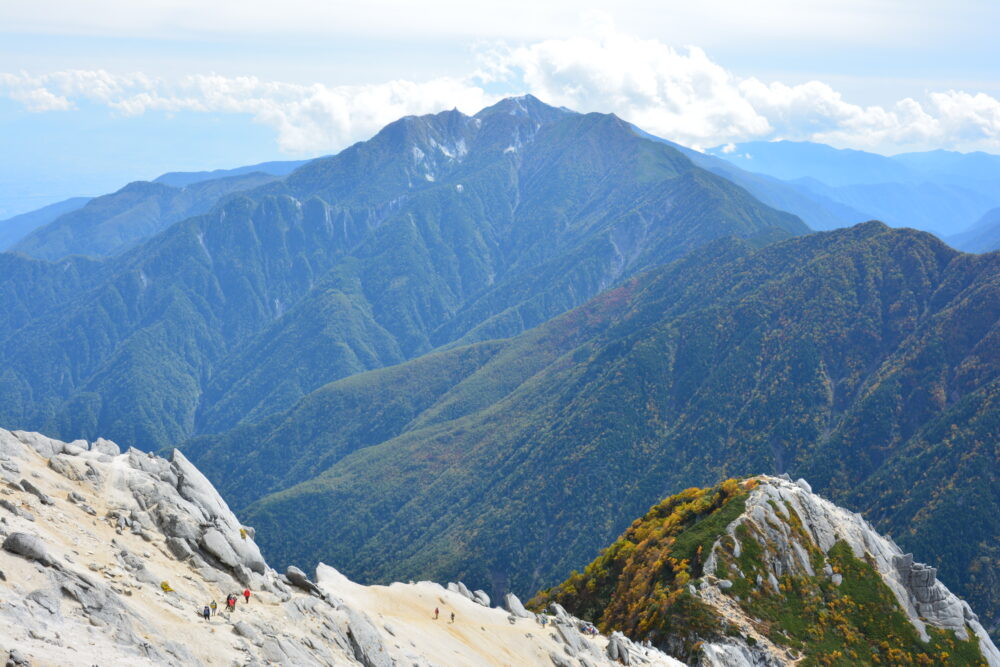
[(440, 228), (943, 192), (476, 346)]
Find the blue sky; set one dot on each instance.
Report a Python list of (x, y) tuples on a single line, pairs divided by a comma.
[(95, 94)]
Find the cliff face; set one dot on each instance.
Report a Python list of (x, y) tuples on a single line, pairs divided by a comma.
[(110, 558), (765, 572)]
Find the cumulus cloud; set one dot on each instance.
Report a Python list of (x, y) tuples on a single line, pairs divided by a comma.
[(678, 93), (307, 118), (681, 94)]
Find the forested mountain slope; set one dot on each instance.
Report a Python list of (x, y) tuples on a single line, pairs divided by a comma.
[(865, 359), (17, 227), (112, 223)]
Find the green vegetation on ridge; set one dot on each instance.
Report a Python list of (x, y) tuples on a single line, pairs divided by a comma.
[(640, 585)]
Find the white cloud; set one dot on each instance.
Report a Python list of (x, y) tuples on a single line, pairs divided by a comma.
[(40, 99), (680, 94), (683, 95), (307, 118)]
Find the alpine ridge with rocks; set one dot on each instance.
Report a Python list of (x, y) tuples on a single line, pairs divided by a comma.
[(110, 558), (765, 572)]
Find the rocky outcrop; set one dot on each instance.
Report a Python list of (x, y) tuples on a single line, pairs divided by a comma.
[(298, 578), (35, 491), (513, 604), (28, 546), (617, 649), (929, 597)]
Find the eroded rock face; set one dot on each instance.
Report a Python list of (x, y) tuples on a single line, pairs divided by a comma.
[(366, 641), (931, 599), (721, 654)]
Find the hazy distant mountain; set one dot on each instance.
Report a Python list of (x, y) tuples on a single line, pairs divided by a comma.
[(791, 160), (815, 209), (940, 208), (939, 191), (983, 236), (181, 179), (438, 229), (112, 223), (863, 359), (976, 171), (14, 229)]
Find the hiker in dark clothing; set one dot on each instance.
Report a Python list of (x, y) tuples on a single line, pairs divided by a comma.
[(206, 612), (452, 617)]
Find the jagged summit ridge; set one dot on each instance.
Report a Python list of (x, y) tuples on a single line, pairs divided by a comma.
[(111, 557)]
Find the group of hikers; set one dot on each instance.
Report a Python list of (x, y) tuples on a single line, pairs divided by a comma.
[(211, 609), (437, 612)]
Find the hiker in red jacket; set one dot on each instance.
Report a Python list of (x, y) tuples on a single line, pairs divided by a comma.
[(246, 594)]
